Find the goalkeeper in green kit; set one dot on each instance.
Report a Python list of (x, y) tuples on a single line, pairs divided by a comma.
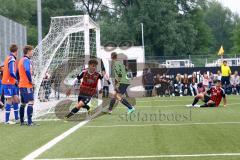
[(119, 75)]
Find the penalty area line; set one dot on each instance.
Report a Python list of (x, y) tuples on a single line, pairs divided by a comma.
[(151, 156)]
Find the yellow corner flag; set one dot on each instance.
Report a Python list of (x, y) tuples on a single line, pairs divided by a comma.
[(221, 51)]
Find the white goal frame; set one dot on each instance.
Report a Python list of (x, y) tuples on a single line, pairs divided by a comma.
[(60, 28)]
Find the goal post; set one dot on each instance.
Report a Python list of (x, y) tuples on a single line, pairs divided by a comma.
[(66, 49)]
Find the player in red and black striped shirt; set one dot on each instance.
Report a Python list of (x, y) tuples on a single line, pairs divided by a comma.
[(88, 87), (213, 97)]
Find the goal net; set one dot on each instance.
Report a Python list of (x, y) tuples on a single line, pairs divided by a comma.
[(62, 54)]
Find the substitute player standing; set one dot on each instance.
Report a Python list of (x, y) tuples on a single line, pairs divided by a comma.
[(88, 87), (25, 85), (216, 94), (9, 82), (119, 74)]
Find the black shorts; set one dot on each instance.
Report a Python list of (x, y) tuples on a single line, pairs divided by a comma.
[(122, 88), (84, 99), (207, 99), (225, 80)]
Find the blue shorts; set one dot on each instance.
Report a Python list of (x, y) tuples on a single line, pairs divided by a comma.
[(10, 90), (1, 90), (27, 95)]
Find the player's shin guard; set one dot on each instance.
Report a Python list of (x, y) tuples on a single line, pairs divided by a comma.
[(74, 110), (7, 112), (21, 112), (126, 103), (195, 101), (29, 113), (16, 111), (112, 102)]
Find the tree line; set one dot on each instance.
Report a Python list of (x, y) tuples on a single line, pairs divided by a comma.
[(171, 27)]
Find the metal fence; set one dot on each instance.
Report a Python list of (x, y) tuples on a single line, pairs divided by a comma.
[(11, 32)]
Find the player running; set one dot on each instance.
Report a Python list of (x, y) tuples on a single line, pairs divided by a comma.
[(119, 74), (88, 87), (211, 98), (26, 86), (9, 84)]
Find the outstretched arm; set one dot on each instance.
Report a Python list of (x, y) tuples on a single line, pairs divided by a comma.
[(69, 90)]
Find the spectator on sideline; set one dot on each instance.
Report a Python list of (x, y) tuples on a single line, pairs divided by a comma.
[(164, 81), (235, 83), (211, 79), (205, 81), (157, 84), (193, 84), (186, 88), (218, 76), (149, 82), (105, 84), (178, 85), (129, 76), (47, 86)]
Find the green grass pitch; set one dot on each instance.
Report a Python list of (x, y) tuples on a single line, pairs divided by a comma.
[(160, 128)]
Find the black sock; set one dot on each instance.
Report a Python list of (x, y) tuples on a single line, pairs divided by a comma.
[(204, 105), (87, 107), (195, 101), (21, 112), (74, 110), (112, 102), (126, 103)]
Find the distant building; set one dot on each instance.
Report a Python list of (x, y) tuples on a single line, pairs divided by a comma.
[(11, 32), (180, 63), (218, 62), (133, 57)]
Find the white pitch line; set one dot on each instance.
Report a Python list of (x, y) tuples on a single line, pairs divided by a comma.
[(46, 120), (159, 100), (175, 100), (162, 124), (54, 141), (174, 105), (153, 156)]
